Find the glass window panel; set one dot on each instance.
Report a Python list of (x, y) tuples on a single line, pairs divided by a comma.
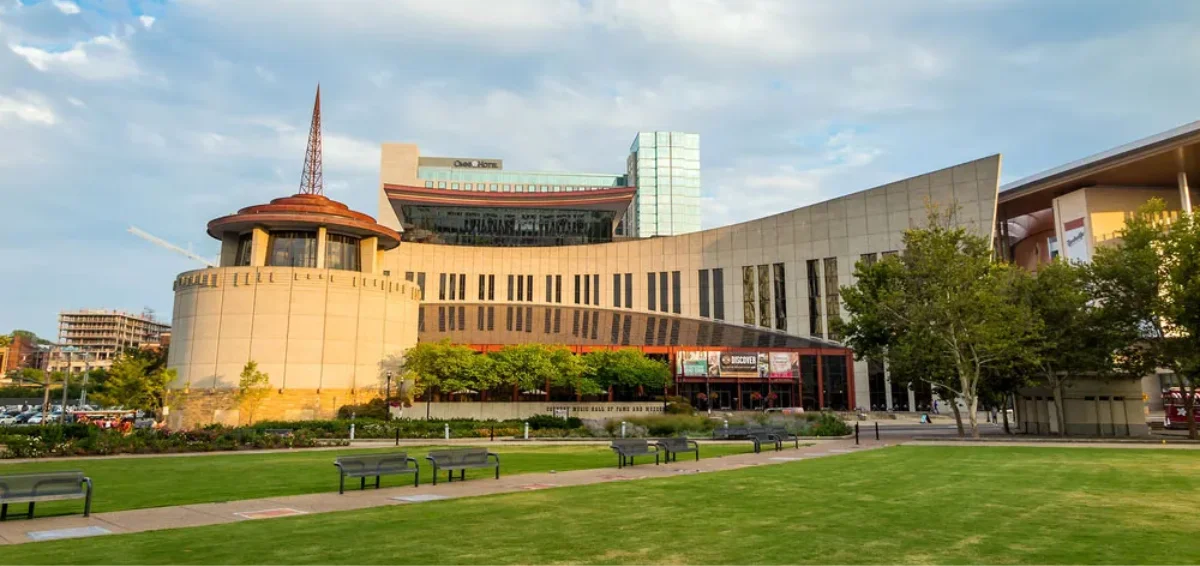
[(292, 249)]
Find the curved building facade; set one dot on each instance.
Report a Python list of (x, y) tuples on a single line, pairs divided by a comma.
[(300, 291), (779, 274)]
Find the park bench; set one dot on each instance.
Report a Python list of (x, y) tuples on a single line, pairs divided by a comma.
[(377, 465), (674, 446), (762, 436), (730, 433), (462, 459), (628, 448), (44, 486), (782, 434)]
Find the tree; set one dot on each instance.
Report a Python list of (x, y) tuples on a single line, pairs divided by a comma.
[(1074, 341), (131, 384), (1148, 288), (942, 311), (253, 388), (627, 368), (528, 366), (448, 367), (572, 372)]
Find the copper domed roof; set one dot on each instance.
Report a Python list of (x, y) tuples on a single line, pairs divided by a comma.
[(305, 212)]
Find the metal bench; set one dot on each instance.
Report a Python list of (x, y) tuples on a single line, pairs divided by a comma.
[(45, 486), (674, 446), (377, 465), (462, 459), (731, 433), (782, 434), (628, 448), (762, 436)]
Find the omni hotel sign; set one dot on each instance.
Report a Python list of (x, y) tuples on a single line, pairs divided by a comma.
[(476, 163)]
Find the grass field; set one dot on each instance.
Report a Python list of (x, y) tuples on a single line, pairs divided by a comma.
[(905, 504), (133, 483)]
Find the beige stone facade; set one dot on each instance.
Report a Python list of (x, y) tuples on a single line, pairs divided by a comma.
[(320, 334), (827, 237)]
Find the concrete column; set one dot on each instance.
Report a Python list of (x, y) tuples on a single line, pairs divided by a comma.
[(367, 255), (229, 247), (260, 240), (1185, 194), (322, 234)]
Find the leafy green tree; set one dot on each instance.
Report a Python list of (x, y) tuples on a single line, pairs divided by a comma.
[(132, 384), (528, 366), (253, 388), (447, 367), (1074, 342), (942, 311), (627, 368), (572, 372), (1148, 286)]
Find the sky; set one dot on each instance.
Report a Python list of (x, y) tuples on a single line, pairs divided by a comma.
[(166, 115)]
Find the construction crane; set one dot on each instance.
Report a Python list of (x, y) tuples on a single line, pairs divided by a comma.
[(168, 245)]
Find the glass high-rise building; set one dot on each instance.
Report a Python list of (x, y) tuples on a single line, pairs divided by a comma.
[(665, 168)]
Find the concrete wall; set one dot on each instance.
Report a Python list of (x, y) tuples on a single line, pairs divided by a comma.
[(1092, 408), (870, 221), (309, 329)]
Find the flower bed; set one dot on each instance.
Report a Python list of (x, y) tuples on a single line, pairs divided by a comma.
[(84, 440)]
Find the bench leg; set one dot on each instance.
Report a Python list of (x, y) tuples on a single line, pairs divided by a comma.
[(697, 454), (362, 484), (341, 484), (376, 482), (30, 510), (417, 478), (655, 458), (3, 512), (462, 475), (450, 475), (435, 476), (497, 471)]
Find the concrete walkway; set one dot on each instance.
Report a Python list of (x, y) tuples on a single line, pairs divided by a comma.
[(139, 520)]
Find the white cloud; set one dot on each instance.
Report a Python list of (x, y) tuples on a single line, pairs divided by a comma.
[(76, 102), (147, 21), (264, 74), (30, 108), (103, 57), (66, 6)]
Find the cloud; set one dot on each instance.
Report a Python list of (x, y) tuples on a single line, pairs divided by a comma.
[(264, 74), (30, 108), (66, 7), (76, 102), (103, 57), (147, 21)]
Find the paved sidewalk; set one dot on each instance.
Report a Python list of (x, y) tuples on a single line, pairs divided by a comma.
[(138, 520)]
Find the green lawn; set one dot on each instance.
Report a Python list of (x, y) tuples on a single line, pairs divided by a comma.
[(133, 483), (905, 504)]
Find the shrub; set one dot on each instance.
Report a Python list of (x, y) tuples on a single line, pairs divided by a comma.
[(539, 422), (829, 425), (373, 409), (679, 406), (672, 425)]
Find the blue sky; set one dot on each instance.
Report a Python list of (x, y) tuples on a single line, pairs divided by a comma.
[(165, 115)]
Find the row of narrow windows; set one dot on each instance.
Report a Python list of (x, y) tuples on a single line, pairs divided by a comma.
[(764, 292)]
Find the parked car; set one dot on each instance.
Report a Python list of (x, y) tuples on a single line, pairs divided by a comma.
[(9, 417)]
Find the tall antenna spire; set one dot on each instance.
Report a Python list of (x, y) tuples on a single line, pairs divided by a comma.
[(313, 181)]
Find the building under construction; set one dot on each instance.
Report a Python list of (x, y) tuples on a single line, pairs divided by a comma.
[(98, 336)]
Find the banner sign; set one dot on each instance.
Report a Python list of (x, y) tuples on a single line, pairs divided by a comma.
[(774, 365), (1075, 234), (693, 364), (739, 364), (784, 365)]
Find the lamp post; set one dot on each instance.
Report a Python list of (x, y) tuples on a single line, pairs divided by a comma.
[(387, 398), (62, 416)]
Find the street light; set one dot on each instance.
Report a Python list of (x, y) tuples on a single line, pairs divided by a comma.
[(387, 398)]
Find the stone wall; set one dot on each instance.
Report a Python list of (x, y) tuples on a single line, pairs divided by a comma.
[(197, 408), (1093, 408)]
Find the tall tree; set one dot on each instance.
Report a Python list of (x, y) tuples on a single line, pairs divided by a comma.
[(1148, 285), (528, 366), (627, 368), (443, 366), (942, 311), (130, 383), (253, 388), (1074, 342)]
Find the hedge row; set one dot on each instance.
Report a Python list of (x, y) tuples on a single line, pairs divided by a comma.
[(84, 440)]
